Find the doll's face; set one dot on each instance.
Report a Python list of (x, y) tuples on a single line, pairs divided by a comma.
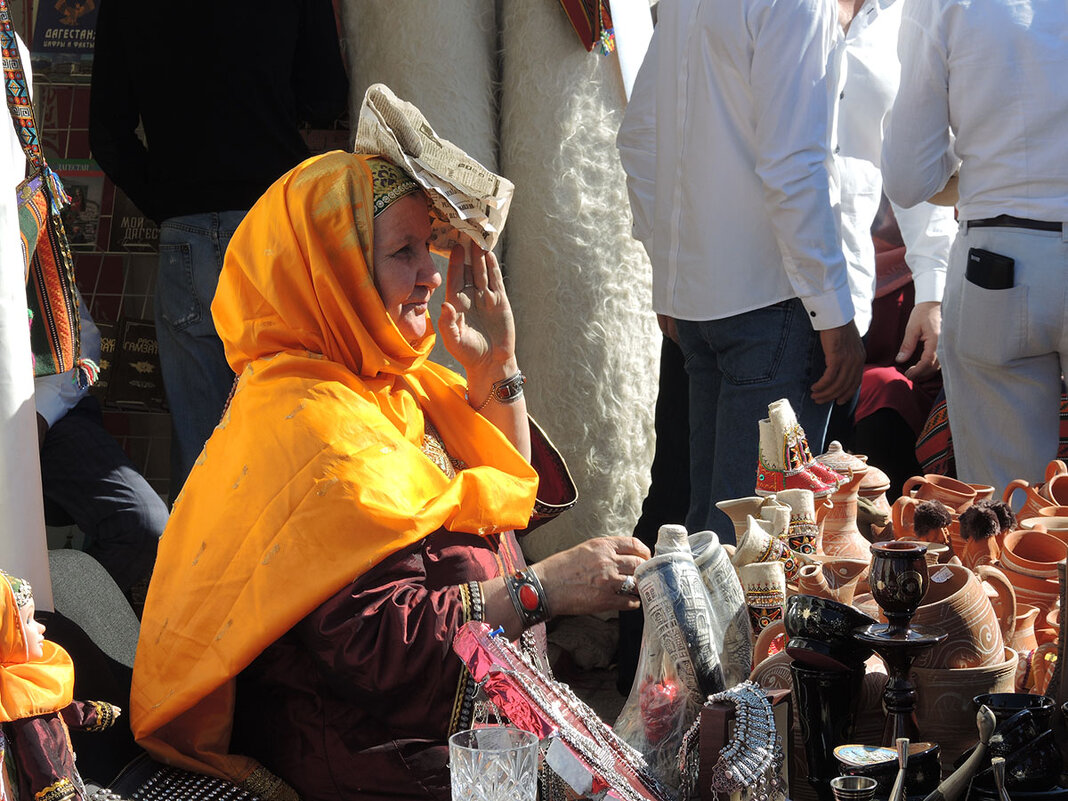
[(34, 631)]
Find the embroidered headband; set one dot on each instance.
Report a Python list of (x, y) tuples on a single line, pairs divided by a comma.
[(21, 589), (390, 182)]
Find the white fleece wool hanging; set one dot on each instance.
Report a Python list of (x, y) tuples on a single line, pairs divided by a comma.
[(579, 283), (441, 57)]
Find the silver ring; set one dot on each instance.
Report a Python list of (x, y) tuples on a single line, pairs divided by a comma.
[(468, 286), (628, 587)]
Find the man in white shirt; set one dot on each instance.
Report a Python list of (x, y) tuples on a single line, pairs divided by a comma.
[(726, 147), (868, 80), (983, 93), (89, 478)]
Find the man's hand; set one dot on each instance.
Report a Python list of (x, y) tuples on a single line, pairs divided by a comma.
[(843, 353), (924, 325), (668, 327)]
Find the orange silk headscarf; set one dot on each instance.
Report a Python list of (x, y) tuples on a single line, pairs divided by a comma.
[(29, 688), (315, 473)]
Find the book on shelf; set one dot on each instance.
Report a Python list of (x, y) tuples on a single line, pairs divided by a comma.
[(136, 381), (130, 229), (83, 181), (64, 34), (108, 344)]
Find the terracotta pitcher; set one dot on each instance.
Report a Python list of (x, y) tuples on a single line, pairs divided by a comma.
[(738, 509), (832, 577), (841, 536), (1029, 558), (902, 514), (1053, 491), (957, 602), (957, 495), (1024, 639)]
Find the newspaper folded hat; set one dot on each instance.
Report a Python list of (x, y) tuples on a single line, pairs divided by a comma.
[(467, 197)]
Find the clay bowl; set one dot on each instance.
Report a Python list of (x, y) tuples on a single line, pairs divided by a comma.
[(1014, 732), (1007, 705), (1053, 511), (1033, 553), (880, 763), (820, 632), (1035, 765)]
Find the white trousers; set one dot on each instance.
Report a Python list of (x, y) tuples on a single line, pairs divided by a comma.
[(1003, 353)]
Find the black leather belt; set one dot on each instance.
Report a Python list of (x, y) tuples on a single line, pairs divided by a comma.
[(1008, 221)]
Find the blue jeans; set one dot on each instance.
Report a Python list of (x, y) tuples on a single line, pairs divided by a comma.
[(196, 377), (737, 367)]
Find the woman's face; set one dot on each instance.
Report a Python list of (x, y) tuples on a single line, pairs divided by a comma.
[(405, 274), (34, 631)]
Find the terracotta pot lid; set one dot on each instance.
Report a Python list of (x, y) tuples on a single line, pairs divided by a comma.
[(841, 462), (874, 481)]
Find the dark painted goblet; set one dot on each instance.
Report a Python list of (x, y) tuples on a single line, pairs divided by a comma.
[(898, 580)]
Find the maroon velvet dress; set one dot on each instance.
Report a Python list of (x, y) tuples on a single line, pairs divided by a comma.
[(358, 699)]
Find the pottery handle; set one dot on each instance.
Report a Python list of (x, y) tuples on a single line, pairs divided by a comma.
[(992, 576), (901, 514), (1055, 468), (911, 484), (1015, 484)]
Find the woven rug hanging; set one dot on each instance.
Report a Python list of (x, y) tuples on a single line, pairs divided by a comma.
[(592, 21)]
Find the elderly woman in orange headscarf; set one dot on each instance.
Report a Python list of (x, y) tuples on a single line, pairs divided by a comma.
[(355, 506)]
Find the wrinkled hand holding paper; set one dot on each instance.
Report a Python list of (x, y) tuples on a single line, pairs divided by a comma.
[(467, 197)]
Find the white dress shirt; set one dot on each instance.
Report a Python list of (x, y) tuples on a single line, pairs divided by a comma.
[(868, 81), (726, 147), (993, 74)]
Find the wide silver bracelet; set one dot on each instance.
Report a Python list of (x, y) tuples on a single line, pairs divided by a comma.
[(507, 390)]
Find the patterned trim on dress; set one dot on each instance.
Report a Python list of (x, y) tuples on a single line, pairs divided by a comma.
[(268, 787), (62, 790), (105, 715), (434, 449), (466, 689)]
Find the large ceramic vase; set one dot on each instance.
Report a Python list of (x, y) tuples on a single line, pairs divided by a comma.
[(945, 710), (826, 705), (841, 535), (957, 603)]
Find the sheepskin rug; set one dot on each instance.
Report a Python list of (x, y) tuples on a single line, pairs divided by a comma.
[(580, 284), (440, 56)]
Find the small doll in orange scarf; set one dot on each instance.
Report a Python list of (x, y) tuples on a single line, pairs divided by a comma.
[(36, 706)]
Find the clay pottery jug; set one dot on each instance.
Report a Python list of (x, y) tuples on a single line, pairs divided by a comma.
[(1029, 558), (832, 578), (1055, 526), (957, 603), (957, 495), (1053, 491), (902, 515), (841, 535), (983, 492), (1032, 553), (1024, 640), (738, 510), (938, 553), (945, 710), (1053, 511)]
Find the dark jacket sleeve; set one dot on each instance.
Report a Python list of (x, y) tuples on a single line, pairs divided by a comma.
[(320, 82), (114, 114), (386, 639)]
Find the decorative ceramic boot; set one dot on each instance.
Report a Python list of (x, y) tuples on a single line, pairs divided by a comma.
[(758, 543), (803, 533), (782, 413), (781, 462), (764, 584), (776, 518)]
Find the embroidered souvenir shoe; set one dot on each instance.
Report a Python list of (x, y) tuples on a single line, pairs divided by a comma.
[(781, 413), (780, 465)]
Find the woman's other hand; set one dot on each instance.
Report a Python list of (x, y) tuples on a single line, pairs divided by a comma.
[(587, 578), (476, 321)]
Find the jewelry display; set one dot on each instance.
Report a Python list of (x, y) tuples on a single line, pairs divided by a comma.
[(528, 597), (537, 703)]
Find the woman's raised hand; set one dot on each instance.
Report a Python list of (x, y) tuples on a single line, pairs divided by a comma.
[(476, 321)]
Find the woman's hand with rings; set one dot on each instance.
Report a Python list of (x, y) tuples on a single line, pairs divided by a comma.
[(476, 324), (594, 576)]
